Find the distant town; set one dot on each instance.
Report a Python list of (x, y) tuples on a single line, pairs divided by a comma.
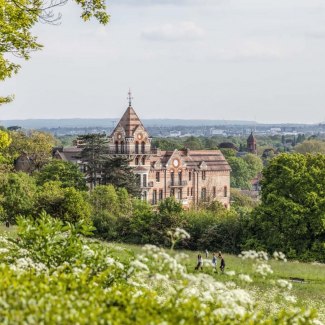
[(169, 128)]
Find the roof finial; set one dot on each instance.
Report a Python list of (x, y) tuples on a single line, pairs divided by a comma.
[(130, 98)]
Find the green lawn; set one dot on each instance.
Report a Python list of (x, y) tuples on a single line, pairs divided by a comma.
[(310, 293)]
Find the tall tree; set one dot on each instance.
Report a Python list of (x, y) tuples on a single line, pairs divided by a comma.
[(116, 171), (93, 155), (291, 217)]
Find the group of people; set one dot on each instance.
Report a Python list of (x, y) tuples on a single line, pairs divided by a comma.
[(214, 261)]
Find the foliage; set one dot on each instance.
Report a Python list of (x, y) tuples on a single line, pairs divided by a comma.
[(17, 195), (35, 144), (311, 146), (67, 204), (66, 172), (240, 173), (92, 155), (17, 18), (52, 274), (292, 212), (116, 171)]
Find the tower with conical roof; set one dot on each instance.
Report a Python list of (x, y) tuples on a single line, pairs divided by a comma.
[(130, 137), (251, 144)]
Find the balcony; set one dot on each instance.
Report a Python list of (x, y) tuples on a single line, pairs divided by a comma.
[(177, 183)]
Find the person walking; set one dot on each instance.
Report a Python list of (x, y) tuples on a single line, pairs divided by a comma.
[(222, 262), (206, 254), (199, 263), (214, 262)]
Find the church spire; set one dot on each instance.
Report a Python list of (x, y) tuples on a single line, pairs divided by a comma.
[(130, 98)]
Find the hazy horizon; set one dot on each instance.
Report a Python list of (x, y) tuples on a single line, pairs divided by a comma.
[(183, 59)]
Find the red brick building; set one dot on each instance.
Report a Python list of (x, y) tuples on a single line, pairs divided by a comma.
[(189, 175)]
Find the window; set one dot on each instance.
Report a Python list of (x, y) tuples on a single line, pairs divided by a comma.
[(136, 161), (138, 179), (143, 147), (203, 193), (225, 191), (154, 197), (172, 178), (157, 177), (190, 176), (188, 191), (137, 147), (172, 192), (179, 178), (214, 191), (179, 194), (144, 180), (144, 196), (203, 175), (122, 147), (143, 161), (160, 195), (191, 191), (116, 147)]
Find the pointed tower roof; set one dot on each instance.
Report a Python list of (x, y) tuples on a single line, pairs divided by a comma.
[(251, 138), (129, 122)]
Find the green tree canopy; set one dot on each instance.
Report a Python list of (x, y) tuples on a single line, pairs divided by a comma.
[(116, 171), (17, 195), (240, 173), (66, 172), (311, 146), (66, 204), (291, 217), (37, 145)]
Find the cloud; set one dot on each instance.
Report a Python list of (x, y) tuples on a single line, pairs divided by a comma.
[(183, 31)]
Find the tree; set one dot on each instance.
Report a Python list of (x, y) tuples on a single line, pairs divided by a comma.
[(18, 17), (254, 163), (292, 212), (66, 204), (17, 195), (311, 146), (93, 155), (116, 171), (37, 145), (66, 172), (240, 173)]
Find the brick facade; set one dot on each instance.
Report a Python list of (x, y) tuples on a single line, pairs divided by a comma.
[(189, 175)]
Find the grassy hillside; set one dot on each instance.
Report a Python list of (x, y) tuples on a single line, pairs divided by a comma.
[(310, 293)]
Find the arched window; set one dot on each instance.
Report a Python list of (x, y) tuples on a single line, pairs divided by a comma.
[(137, 147), (143, 147), (116, 146), (136, 162), (143, 160), (225, 191), (122, 147)]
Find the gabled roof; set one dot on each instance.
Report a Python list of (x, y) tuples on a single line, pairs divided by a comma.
[(129, 122)]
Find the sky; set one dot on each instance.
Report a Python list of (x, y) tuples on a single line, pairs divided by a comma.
[(261, 60)]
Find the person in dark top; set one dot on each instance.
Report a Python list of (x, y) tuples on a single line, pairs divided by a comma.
[(222, 262), (199, 262)]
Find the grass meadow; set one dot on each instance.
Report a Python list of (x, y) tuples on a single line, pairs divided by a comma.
[(309, 293)]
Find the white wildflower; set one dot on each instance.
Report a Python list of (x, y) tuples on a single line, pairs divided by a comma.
[(245, 278), (284, 284), (230, 273)]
